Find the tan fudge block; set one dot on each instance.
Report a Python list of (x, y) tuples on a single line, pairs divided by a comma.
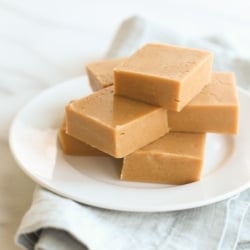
[(215, 109), (164, 75), (176, 158), (73, 146), (115, 125), (100, 73)]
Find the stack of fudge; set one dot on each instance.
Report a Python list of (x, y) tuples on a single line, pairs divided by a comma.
[(153, 109)]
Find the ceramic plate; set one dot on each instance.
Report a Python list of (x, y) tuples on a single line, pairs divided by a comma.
[(95, 180)]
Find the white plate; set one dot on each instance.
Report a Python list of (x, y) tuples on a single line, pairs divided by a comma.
[(95, 180)]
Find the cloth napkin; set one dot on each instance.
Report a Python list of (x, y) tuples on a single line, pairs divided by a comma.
[(54, 222)]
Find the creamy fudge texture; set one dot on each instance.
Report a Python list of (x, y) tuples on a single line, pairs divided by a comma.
[(215, 109), (115, 125), (73, 146), (164, 75), (176, 158), (100, 73)]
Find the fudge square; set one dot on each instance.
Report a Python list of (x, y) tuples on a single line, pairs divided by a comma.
[(115, 125), (176, 158), (164, 75), (215, 109), (100, 73), (73, 146)]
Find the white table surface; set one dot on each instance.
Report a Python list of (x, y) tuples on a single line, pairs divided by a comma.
[(45, 42)]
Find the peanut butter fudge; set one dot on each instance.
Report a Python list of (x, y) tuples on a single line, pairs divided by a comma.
[(176, 158), (115, 125), (73, 146), (164, 75), (100, 73), (215, 109)]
